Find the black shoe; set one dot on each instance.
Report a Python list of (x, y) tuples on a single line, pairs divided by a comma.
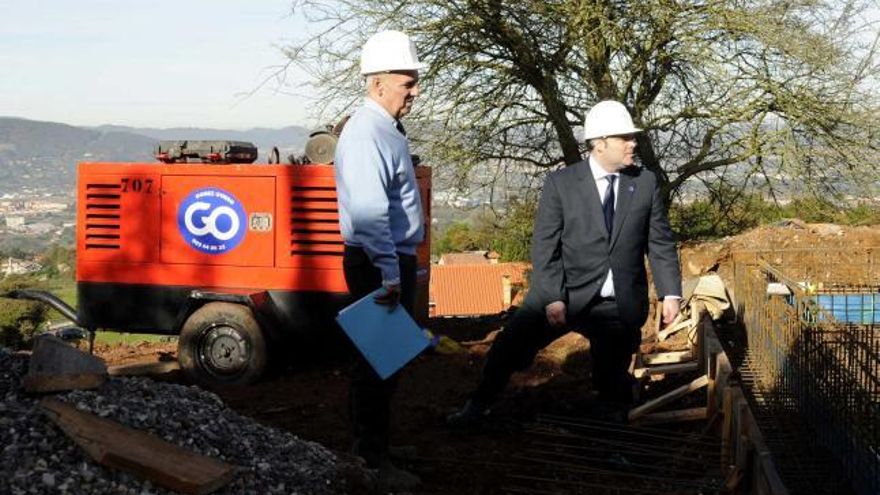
[(472, 413)]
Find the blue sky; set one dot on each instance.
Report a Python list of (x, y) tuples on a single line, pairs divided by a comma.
[(158, 63)]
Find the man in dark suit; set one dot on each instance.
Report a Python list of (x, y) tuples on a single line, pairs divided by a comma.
[(596, 222)]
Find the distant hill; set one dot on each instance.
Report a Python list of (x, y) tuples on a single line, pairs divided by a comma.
[(43, 155), (23, 139), (290, 139)]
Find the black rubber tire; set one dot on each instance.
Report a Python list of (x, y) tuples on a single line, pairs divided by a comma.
[(218, 327)]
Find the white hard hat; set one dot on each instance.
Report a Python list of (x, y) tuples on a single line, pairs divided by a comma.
[(389, 50), (608, 118)]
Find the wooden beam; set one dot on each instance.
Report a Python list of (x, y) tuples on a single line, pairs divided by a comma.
[(670, 357), (682, 415), (726, 428), (140, 369), (666, 369), (664, 399), (710, 348), (38, 384), (141, 454)]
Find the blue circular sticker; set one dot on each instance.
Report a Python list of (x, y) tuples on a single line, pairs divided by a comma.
[(211, 220)]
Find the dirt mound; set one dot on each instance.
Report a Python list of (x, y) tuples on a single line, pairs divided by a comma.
[(701, 258)]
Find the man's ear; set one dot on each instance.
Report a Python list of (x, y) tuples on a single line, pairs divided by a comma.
[(379, 84)]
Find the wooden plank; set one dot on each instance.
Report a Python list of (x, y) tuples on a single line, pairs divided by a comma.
[(670, 357), (59, 383), (140, 369), (140, 453), (731, 483), (710, 348), (668, 397), (723, 370), (763, 465), (698, 346), (770, 474), (727, 426), (679, 416), (666, 369)]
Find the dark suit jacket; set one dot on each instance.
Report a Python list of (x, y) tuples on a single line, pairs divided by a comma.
[(571, 252)]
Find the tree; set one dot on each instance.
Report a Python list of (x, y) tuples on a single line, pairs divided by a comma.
[(729, 91), (508, 233)]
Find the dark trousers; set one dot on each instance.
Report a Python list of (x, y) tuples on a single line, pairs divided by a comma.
[(611, 349), (370, 396)]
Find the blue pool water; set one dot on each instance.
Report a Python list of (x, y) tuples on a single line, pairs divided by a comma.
[(861, 309)]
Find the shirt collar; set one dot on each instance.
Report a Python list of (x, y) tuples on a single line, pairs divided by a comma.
[(375, 106), (598, 172)]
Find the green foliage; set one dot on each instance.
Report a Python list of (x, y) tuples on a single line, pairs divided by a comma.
[(725, 212), (514, 239), (460, 237), (510, 234), (862, 214), (58, 261), (19, 320), (710, 218)]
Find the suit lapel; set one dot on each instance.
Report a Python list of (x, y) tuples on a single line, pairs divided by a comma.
[(625, 192), (589, 194)]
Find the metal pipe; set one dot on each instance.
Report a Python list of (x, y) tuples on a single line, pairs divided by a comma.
[(47, 298)]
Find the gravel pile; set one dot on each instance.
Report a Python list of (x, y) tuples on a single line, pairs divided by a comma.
[(37, 457)]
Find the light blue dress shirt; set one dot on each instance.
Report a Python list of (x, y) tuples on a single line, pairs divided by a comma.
[(380, 209)]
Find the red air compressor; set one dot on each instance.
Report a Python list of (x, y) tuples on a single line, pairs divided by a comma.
[(230, 257)]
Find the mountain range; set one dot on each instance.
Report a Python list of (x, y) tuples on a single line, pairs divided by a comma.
[(42, 156)]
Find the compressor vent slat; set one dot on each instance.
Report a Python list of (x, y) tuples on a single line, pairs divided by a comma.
[(103, 217), (314, 222)]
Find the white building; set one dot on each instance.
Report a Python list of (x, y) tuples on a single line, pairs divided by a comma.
[(14, 222), (14, 266)]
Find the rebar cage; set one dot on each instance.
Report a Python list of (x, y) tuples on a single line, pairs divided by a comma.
[(814, 351)]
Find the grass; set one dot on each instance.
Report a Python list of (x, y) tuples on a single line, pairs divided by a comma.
[(65, 289), (116, 338)]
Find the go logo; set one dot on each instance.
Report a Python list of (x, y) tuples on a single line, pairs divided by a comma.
[(211, 220)]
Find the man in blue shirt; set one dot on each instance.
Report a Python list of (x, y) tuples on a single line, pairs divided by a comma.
[(380, 215)]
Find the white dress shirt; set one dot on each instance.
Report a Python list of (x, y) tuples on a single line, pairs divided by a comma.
[(599, 176)]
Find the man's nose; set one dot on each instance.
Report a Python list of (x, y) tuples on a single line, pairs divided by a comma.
[(416, 90)]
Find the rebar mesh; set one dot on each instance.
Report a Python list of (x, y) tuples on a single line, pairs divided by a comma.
[(815, 353), (572, 456)]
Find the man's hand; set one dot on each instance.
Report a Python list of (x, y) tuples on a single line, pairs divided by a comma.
[(389, 296), (556, 314), (671, 306)]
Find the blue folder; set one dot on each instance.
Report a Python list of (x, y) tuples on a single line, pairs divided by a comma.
[(387, 339)]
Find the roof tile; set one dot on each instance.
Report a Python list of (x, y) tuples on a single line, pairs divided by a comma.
[(470, 290)]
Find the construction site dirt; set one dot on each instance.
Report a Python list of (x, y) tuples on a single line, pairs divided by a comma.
[(307, 395)]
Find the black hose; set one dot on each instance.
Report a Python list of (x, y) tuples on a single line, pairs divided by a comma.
[(47, 298)]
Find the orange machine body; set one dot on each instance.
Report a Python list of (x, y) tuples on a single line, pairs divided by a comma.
[(149, 234)]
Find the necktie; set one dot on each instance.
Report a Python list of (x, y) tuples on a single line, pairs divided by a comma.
[(608, 203), (399, 127)]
